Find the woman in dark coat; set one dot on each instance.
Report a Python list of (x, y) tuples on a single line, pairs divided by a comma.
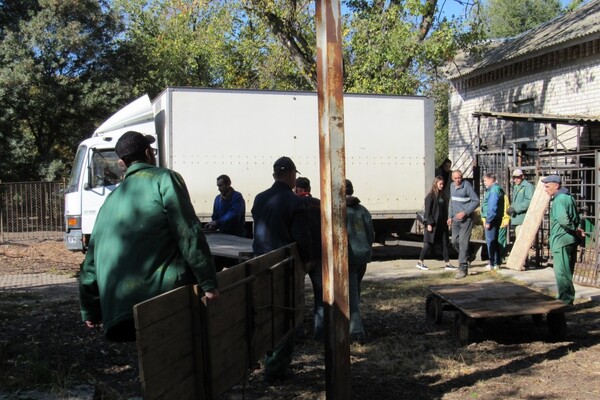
[(436, 227)]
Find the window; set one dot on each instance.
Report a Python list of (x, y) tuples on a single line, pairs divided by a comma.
[(105, 168)]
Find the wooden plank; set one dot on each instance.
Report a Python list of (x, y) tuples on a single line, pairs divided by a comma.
[(183, 390), (170, 379), (531, 223), (162, 358), (497, 299), (150, 311), (164, 330)]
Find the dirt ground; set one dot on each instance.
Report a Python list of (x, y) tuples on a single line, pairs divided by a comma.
[(44, 346)]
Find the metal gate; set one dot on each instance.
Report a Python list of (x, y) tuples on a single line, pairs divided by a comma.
[(31, 211)]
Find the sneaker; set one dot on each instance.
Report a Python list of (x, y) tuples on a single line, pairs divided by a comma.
[(422, 266), (450, 267), (461, 273), (496, 268), (489, 267)]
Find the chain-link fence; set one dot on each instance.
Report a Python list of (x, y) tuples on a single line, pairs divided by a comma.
[(31, 211)]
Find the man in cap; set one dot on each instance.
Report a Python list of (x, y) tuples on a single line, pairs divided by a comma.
[(147, 240), (522, 193), (565, 234), (280, 218)]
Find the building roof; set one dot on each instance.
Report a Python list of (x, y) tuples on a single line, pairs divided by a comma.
[(540, 118), (571, 27)]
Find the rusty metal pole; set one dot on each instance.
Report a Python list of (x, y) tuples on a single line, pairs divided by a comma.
[(333, 198)]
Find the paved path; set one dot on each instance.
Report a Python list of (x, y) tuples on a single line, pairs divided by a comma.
[(64, 287)]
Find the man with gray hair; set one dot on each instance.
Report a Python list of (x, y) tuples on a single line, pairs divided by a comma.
[(463, 202)]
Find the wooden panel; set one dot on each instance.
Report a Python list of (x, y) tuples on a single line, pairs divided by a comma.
[(170, 378), (194, 348), (531, 223), (184, 390), (150, 311), (497, 299)]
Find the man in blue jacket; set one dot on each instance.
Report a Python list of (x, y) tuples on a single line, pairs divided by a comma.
[(463, 202), (492, 211), (229, 209)]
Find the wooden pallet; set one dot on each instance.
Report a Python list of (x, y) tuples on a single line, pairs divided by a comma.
[(482, 300)]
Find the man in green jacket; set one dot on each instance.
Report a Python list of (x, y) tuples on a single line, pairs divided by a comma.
[(564, 236), (522, 193), (147, 240)]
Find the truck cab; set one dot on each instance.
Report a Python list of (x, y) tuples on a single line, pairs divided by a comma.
[(96, 171)]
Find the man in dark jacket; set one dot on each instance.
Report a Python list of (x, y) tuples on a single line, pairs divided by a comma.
[(147, 240), (280, 218)]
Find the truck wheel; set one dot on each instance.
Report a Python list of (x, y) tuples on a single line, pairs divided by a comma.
[(557, 326), (462, 328), (434, 309)]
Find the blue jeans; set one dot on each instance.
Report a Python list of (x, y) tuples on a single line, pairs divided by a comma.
[(494, 252)]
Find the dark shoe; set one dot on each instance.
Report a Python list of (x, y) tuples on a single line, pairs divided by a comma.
[(461, 273), (450, 267)]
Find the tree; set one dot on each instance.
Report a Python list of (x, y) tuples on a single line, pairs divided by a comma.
[(509, 18), (56, 83)]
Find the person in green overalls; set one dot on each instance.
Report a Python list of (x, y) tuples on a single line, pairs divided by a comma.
[(564, 236)]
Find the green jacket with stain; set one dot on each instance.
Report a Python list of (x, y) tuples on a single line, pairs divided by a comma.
[(147, 240), (564, 220)]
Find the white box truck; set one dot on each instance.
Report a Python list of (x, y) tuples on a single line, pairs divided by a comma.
[(203, 133)]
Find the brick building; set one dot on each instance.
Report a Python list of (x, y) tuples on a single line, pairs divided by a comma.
[(522, 101)]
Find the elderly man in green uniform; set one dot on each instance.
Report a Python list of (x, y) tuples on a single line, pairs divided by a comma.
[(522, 193), (564, 236), (147, 240)]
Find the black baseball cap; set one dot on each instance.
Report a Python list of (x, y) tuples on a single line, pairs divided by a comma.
[(133, 142), (284, 164)]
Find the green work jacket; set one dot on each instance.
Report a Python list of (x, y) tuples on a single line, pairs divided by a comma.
[(564, 220), (147, 240), (521, 197)]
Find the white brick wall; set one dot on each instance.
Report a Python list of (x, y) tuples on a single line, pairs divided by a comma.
[(572, 90)]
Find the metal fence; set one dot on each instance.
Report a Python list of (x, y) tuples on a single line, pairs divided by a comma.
[(31, 211)]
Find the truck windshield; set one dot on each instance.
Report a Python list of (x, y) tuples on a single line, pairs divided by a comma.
[(105, 168), (76, 170)]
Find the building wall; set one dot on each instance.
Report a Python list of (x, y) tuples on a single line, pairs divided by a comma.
[(570, 90)]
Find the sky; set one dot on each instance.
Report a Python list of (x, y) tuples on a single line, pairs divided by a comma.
[(453, 7)]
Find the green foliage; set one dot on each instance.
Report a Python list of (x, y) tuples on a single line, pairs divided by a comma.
[(55, 84), (509, 18), (66, 65)]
